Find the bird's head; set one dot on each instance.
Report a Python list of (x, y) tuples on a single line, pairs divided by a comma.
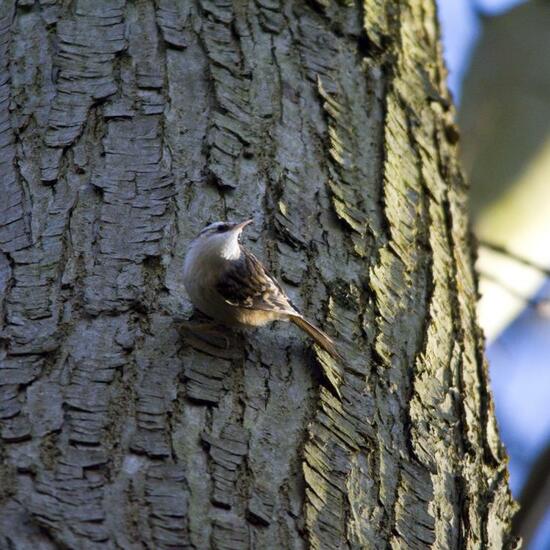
[(221, 239)]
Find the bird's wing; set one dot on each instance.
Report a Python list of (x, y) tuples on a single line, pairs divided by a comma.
[(245, 283)]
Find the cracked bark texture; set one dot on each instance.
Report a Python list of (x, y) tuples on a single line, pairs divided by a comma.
[(125, 126)]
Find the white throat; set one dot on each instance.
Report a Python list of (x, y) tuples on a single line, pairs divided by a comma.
[(231, 249), (214, 250)]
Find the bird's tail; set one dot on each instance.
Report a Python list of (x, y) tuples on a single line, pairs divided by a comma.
[(321, 339)]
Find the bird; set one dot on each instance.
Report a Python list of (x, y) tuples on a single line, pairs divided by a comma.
[(225, 281)]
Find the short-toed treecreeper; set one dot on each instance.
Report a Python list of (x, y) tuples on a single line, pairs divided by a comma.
[(227, 282)]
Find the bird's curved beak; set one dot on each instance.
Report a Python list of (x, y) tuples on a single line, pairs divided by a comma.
[(240, 226)]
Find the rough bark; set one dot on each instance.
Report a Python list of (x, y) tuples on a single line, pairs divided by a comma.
[(125, 126)]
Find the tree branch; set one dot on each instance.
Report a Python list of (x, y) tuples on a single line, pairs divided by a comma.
[(500, 249)]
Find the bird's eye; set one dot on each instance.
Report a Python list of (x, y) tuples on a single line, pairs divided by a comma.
[(222, 228)]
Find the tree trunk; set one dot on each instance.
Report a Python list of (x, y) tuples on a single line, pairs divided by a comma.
[(126, 126)]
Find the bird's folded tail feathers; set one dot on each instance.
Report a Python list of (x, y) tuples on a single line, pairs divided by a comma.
[(321, 339)]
